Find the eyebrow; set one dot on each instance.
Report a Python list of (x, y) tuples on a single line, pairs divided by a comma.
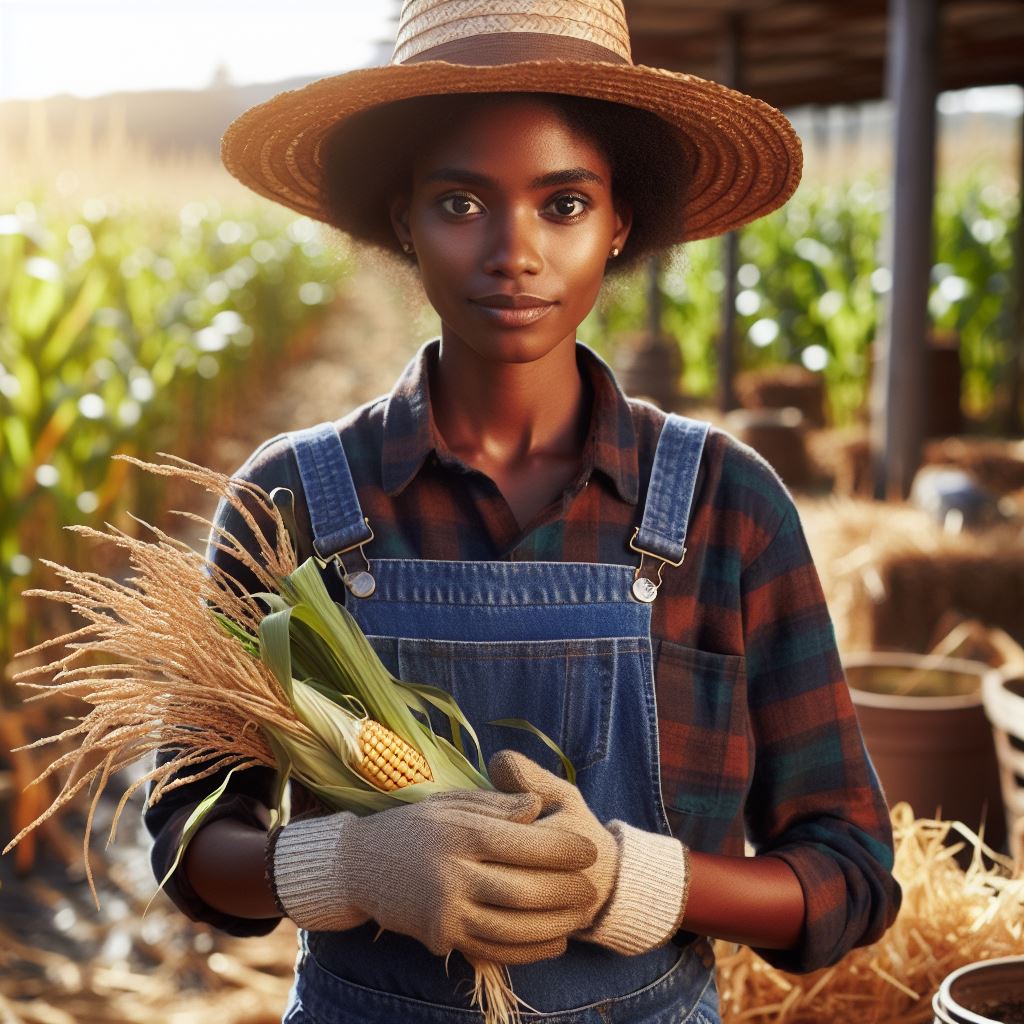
[(569, 176)]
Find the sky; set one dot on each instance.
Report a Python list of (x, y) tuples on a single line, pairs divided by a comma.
[(90, 47)]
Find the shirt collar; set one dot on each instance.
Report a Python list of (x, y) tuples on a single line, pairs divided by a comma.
[(410, 435)]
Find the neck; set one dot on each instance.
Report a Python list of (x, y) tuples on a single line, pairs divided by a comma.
[(504, 413)]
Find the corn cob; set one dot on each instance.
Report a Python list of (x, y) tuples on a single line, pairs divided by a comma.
[(387, 760)]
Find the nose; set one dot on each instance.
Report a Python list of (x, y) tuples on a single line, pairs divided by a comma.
[(513, 244)]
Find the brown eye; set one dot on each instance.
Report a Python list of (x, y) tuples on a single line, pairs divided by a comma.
[(459, 205), (568, 205)]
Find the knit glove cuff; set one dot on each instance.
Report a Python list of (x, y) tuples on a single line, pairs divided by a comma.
[(649, 898), (305, 874)]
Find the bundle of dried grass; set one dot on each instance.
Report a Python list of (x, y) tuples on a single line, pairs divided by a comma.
[(190, 662), (155, 666), (890, 573), (950, 917)]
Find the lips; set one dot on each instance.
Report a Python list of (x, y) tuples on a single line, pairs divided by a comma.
[(522, 300), (509, 311)]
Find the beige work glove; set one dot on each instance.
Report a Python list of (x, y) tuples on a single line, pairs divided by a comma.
[(462, 870), (640, 878)]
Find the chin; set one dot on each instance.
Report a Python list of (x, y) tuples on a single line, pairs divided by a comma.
[(517, 346)]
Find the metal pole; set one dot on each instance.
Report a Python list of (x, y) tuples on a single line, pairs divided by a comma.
[(898, 389), (729, 75)]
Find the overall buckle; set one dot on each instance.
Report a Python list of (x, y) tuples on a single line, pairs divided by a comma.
[(645, 589)]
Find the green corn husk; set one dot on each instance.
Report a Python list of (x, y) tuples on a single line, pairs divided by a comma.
[(282, 678)]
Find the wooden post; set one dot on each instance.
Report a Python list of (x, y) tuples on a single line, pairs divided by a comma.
[(730, 76), (1016, 368), (898, 389)]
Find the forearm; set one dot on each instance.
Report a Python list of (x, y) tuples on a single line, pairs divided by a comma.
[(757, 901), (224, 864)]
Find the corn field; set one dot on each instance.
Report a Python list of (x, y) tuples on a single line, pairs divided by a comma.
[(810, 289), (131, 331)]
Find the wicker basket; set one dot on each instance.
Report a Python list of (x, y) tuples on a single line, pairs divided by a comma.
[(1004, 704)]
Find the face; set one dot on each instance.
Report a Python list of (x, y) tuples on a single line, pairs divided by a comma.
[(512, 218)]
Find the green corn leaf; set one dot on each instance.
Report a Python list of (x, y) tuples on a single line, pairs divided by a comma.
[(345, 701), (445, 702), (280, 813), (521, 723), (478, 780), (336, 728), (232, 628), (275, 648)]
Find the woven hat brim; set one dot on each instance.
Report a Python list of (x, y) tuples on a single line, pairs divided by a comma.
[(743, 157)]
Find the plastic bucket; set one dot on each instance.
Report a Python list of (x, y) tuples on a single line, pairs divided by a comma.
[(931, 744), (987, 992)]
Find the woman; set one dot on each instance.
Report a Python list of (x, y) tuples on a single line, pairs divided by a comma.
[(508, 525)]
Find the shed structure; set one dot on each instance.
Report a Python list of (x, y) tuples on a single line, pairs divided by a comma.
[(797, 52)]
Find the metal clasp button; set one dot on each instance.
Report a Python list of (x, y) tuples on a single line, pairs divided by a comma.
[(645, 589)]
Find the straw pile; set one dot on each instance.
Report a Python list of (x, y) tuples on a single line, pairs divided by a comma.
[(891, 575), (844, 455), (950, 917)]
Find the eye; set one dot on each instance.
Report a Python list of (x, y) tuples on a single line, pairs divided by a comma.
[(568, 205), (460, 205)]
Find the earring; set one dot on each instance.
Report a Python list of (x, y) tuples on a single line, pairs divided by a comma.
[(407, 248), (614, 253)]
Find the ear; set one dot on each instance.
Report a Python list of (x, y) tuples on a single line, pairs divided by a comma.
[(399, 212), (623, 223)]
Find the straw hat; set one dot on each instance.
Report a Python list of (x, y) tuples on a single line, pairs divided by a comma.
[(743, 157)]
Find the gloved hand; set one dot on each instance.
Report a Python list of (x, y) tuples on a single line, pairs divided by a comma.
[(640, 878), (461, 870)]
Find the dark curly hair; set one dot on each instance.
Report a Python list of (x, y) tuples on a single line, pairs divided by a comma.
[(368, 160)]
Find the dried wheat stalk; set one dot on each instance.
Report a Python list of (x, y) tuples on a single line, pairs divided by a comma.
[(153, 662)]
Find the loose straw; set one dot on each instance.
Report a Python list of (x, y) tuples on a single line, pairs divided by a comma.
[(949, 917)]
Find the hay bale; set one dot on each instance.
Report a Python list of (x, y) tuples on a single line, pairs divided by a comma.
[(843, 455), (782, 387), (890, 573), (998, 463), (779, 436)]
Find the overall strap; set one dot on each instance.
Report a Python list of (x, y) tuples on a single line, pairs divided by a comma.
[(334, 511), (666, 516)]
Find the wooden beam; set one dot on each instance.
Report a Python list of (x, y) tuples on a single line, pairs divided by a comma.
[(730, 73), (900, 371)]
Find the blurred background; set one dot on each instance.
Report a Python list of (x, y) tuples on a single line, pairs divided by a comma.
[(867, 339)]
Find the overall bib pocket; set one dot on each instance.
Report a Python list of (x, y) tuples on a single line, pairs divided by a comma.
[(567, 690)]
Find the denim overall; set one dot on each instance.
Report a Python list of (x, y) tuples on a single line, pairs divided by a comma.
[(565, 645)]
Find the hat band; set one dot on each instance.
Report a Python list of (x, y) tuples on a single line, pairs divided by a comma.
[(512, 47)]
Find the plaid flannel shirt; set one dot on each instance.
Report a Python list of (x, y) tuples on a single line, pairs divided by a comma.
[(758, 737)]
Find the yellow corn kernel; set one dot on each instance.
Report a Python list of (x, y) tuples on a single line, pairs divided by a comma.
[(387, 760)]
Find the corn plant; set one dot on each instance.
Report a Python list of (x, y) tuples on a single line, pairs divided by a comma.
[(810, 289), (129, 332)]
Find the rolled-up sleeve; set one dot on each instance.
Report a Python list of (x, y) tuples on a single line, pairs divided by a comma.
[(815, 800)]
